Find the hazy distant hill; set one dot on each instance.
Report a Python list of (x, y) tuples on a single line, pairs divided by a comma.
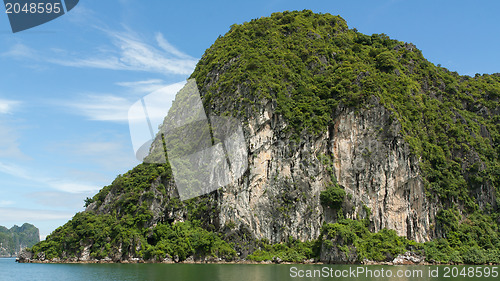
[(16, 238)]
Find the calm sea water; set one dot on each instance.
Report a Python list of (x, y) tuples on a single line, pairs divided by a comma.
[(9, 270)]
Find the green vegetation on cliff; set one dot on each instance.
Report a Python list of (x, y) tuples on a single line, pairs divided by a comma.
[(474, 241), (311, 67), (123, 229)]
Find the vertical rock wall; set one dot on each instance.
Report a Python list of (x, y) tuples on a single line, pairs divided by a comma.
[(279, 195)]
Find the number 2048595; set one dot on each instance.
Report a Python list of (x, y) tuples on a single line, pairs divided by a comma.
[(33, 8), (471, 272)]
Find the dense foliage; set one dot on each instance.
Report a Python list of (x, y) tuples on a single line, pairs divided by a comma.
[(16, 238), (310, 67), (110, 237), (382, 246), (291, 251), (332, 197), (473, 239)]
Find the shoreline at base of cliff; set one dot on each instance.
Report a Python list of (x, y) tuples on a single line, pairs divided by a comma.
[(189, 261)]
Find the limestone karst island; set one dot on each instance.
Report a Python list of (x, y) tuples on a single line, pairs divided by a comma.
[(358, 150)]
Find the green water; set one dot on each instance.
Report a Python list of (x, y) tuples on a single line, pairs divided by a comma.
[(9, 270)]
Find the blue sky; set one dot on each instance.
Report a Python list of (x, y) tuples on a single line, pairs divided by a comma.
[(66, 86)]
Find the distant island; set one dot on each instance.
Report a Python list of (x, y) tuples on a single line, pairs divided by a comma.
[(13, 240)]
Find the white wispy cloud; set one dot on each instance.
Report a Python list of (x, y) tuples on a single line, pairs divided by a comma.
[(54, 183), (125, 51), (59, 199), (143, 86), (9, 143), (13, 170), (109, 155), (169, 48), (100, 107), (130, 52), (70, 186), (21, 51), (4, 203), (7, 106), (108, 107), (18, 214)]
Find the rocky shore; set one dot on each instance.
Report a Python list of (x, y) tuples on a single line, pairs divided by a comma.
[(408, 258)]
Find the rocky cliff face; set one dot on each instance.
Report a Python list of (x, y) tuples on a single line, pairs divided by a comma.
[(378, 170), (279, 195)]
